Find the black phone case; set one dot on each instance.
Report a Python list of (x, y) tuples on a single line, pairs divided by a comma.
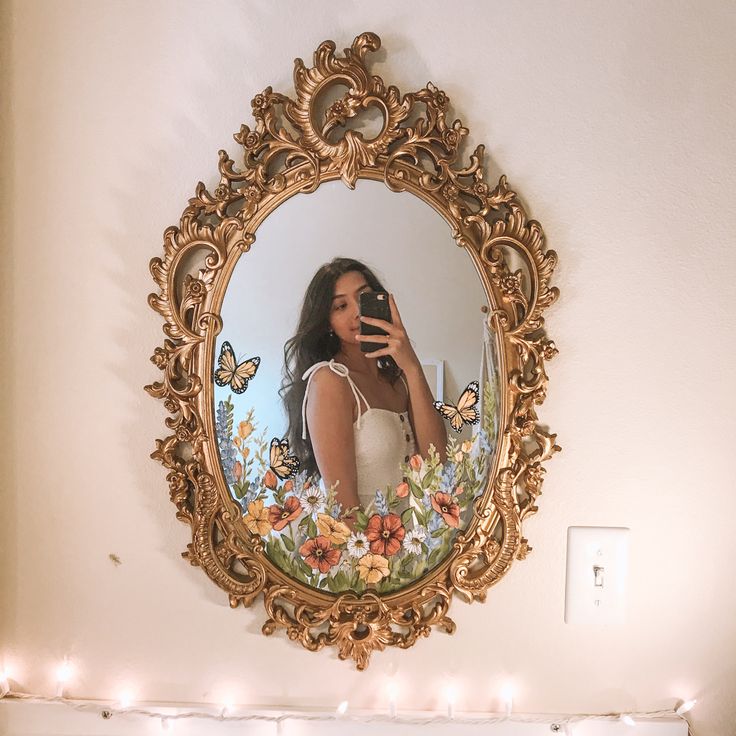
[(373, 304)]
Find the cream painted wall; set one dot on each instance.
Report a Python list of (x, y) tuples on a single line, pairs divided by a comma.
[(615, 122)]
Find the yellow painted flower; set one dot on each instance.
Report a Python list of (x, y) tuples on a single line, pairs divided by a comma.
[(237, 441), (458, 457), (245, 453), (467, 446), (334, 530), (256, 520), (244, 430), (372, 568)]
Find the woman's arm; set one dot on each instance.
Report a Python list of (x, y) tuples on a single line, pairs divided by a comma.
[(428, 425), (330, 424)]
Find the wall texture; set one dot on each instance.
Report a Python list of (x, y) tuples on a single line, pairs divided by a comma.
[(616, 124)]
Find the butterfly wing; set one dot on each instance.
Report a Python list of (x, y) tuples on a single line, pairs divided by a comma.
[(230, 373), (245, 371), (465, 412), (284, 465), (467, 403), (450, 413), (226, 365)]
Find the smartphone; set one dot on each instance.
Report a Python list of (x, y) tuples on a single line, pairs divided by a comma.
[(373, 304)]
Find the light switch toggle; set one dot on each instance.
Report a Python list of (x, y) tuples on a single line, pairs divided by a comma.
[(598, 576)]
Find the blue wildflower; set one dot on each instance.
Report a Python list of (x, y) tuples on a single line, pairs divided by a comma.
[(381, 504), (228, 451)]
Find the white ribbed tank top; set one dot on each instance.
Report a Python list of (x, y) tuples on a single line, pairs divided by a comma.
[(384, 439)]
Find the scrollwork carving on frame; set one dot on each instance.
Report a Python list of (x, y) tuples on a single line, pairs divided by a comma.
[(290, 151)]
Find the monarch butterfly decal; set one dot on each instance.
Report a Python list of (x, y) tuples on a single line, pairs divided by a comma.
[(231, 373), (283, 464), (465, 412)]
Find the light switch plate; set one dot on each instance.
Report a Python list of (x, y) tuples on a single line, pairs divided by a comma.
[(597, 574)]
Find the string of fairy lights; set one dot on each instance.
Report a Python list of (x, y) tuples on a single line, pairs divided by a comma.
[(125, 707)]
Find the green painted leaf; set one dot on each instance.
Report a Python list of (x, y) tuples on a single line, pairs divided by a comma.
[(406, 516), (361, 520), (302, 566), (435, 556), (311, 528), (288, 542)]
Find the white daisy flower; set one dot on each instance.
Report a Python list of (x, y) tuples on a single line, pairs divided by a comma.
[(413, 540), (313, 498), (357, 545)]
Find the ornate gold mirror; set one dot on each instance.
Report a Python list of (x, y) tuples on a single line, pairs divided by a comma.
[(357, 491)]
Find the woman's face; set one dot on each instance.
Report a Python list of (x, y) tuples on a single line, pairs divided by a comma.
[(345, 310)]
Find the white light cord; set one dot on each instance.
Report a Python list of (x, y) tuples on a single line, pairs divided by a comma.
[(110, 711)]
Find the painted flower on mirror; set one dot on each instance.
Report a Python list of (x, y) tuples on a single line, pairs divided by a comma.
[(413, 540), (319, 554), (402, 490), (357, 545), (313, 497), (244, 430), (443, 504), (372, 568), (336, 531), (238, 471), (385, 533), (257, 520), (280, 516), (270, 480)]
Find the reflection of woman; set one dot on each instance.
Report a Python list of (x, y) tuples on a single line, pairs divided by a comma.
[(350, 419)]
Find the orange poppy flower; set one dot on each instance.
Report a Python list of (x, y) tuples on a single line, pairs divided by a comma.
[(270, 480), (402, 490), (385, 533), (319, 554), (443, 504), (280, 516), (289, 485)]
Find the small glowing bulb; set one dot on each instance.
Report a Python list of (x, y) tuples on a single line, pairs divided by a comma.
[(63, 674), (507, 695), (628, 720), (393, 696), (451, 695), (125, 699), (686, 706), (4, 684), (342, 708)]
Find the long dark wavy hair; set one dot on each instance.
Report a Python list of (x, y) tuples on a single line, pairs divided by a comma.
[(314, 342)]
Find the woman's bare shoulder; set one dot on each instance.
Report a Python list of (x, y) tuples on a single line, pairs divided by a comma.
[(330, 385)]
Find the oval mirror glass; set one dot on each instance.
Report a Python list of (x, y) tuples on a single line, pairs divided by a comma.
[(411, 504)]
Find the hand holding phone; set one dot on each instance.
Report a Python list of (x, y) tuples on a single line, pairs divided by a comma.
[(373, 304)]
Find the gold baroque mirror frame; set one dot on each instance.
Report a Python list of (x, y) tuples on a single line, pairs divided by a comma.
[(295, 148)]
